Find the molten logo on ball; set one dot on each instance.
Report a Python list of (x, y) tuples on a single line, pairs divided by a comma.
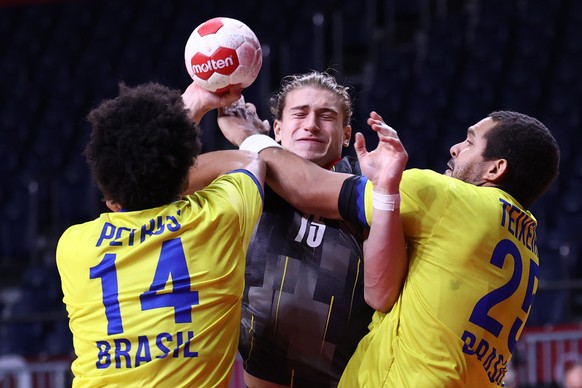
[(222, 52), (223, 61)]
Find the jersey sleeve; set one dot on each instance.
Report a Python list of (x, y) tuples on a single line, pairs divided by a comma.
[(424, 198), (254, 179), (420, 197), (355, 201), (241, 191)]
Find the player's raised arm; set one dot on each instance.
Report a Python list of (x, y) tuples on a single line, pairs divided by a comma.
[(385, 257), (209, 166)]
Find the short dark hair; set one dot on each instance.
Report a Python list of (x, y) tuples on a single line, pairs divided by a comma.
[(532, 154), (142, 145), (315, 79)]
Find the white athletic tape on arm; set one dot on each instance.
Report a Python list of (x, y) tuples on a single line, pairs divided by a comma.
[(257, 143), (388, 202)]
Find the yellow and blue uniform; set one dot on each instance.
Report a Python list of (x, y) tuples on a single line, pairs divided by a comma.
[(473, 273), (154, 296)]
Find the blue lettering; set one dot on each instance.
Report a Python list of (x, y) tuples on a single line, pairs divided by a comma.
[(131, 237), (497, 374), (521, 225), (494, 364), (155, 226), (161, 226), (143, 350), (468, 346), (175, 225), (511, 219), (161, 346), (128, 354), (528, 237), (151, 230), (107, 233), (103, 356), (187, 352), (504, 211), (482, 349), (489, 359), (179, 343), (119, 234), (145, 231), (120, 352), (525, 225)]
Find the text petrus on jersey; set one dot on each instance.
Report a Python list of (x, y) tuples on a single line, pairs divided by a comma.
[(123, 236)]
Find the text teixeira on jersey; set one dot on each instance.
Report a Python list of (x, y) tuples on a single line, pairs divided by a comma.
[(119, 353), (520, 225)]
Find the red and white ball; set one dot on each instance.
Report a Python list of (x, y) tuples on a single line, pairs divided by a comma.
[(222, 52)]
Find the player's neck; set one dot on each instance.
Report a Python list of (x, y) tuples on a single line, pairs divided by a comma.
[(331, 165)]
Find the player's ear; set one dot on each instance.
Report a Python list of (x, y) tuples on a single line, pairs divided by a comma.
[(347, 135), (277, 130), (496, 170), (113, 206)]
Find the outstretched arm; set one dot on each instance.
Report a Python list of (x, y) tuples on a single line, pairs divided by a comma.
[(385, 256), (303, 184), (211, 165)]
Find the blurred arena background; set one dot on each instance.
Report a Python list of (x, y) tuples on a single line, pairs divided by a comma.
[(430, 67)]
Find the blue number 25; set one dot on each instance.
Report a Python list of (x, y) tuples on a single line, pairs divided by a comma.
[(171, 263), (480, 315)]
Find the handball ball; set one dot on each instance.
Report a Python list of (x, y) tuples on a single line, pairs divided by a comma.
[(222, 52)]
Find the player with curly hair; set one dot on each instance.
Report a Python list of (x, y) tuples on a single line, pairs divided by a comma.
[(154, 288)]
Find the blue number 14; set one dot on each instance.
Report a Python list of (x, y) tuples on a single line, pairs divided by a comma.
[(171, 263)]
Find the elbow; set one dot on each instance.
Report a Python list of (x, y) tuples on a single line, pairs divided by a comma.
[(382, 302)]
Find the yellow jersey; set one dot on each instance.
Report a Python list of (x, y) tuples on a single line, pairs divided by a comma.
[(472, 276), (154, 296)]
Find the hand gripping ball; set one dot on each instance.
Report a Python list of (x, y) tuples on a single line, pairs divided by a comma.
[(222, 52)]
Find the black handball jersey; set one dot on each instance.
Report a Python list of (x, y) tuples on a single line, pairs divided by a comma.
[(303, 306)]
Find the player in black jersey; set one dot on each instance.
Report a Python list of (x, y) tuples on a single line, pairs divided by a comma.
[(303, 307)]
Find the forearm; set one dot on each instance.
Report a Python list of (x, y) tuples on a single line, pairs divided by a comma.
[(385, 260), (211, 165), (303, 184)]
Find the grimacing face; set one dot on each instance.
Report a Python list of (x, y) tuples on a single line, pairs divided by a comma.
[(467, 163), (311, 125)]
